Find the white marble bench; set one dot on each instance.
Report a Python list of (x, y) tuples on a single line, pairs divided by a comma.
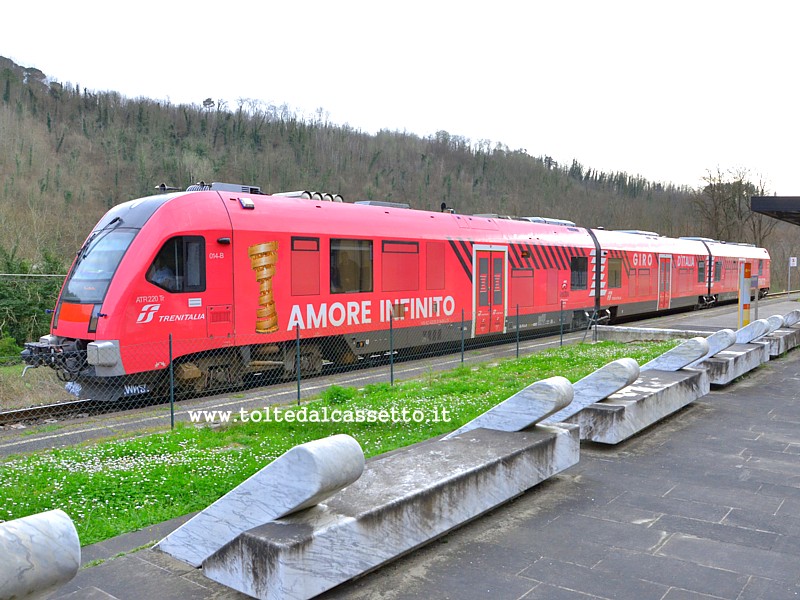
[(38, 554), (298, 479), (403, 500)]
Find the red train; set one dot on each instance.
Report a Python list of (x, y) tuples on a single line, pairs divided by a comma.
[(233, 274)]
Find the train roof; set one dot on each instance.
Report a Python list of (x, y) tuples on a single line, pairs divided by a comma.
[(326, 213), (646, 242)]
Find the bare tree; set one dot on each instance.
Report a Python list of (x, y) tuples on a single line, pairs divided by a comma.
[(760, 226), (724, 205)]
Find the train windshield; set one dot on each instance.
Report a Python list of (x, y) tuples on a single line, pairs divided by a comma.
[(95, 266)]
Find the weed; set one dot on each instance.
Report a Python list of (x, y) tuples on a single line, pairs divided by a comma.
[(337, 395)]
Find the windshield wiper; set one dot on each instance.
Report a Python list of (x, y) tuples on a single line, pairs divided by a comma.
[(87, 245)]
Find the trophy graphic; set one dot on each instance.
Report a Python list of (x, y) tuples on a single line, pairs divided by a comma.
[(262, 260)]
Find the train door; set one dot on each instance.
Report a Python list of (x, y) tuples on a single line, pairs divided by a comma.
[(489, 286), (664, 280), (219, 286)]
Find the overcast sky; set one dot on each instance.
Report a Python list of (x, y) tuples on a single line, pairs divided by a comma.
[(667, 90)]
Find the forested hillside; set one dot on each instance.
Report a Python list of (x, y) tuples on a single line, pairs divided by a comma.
[(67, 154)]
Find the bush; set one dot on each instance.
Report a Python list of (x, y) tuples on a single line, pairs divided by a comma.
[(9, 347), (24, 301), (339, 395)]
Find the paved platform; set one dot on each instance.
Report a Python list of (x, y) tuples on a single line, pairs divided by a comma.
[(703, 505)]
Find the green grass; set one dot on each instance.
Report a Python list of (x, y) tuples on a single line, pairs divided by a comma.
[(36, 388), (113, 487), (42, 429)]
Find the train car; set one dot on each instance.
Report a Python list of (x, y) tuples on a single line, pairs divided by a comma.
[(647, 273), (224, 280)]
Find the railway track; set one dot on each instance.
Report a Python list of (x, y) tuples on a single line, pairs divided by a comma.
[(87, 407), (72, 409), (47, 411)]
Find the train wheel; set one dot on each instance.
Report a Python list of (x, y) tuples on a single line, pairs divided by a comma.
[(206, 373), (310, 360)]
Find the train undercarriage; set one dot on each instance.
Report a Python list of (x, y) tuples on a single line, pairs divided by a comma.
[(233, 367)]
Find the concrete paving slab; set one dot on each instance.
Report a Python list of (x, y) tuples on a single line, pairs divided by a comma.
[(89, 593), (134, 576), (594, 582), (673, 572)]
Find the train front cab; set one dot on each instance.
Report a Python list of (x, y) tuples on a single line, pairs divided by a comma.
[(180, 292), (118, 307)]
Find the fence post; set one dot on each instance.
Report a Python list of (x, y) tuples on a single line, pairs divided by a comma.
[(391, 349), (171, 388), (462, 336), (517, 330), (297, 362)]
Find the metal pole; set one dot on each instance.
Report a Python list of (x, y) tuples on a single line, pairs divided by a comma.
[(171, 387), (517, 330), (391, 349), (462, 336), (297, 362), (561, 319), (789, 281), (755, 301)]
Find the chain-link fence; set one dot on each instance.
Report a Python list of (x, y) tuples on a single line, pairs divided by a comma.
[(105, 376)]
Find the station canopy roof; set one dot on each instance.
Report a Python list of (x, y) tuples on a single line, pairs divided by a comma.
[(784, 208)]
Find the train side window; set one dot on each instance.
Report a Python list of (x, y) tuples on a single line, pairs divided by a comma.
[(718, 270), (305, 266), (399, 266), (351, 266), (579, 267), (180, 265), (614, 272), (760, 268), (701, 271), (435, 265)]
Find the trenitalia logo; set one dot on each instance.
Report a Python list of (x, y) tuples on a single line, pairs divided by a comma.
[(148, 311)]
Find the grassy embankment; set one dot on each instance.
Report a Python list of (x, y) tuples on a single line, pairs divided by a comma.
[(113, 487), (36, 388)]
